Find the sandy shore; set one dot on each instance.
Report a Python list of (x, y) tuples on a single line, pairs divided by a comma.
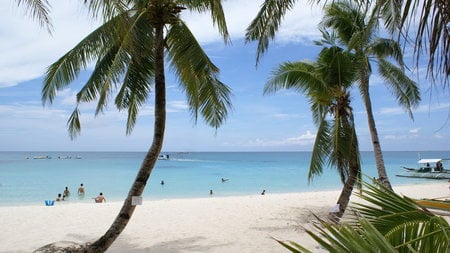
[(225, 224)]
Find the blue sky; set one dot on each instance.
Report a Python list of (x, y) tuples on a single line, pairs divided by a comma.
[(280, 122)]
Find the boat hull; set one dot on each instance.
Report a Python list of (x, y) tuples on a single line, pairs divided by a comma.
[(434, 204), (427, 175)]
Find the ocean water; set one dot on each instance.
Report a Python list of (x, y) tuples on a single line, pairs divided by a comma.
[(24, 180)]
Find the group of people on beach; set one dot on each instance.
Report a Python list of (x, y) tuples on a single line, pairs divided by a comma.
[(81, 191)]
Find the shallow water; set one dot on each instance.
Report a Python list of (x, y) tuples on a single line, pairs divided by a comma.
[(24, 180)]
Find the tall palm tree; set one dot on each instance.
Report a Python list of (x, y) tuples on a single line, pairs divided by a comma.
[(130, 49), (385, 222), (326, 83), (358, 34)]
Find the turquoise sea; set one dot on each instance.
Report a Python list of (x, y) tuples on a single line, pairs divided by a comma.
[(24, 180)]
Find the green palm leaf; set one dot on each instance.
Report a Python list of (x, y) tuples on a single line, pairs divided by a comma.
[(39, 10), (266, 23), (403, 88), (198, 76)]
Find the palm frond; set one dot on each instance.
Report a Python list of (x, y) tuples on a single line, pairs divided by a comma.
[(293, 246), (266, 23), (39, 10), (135, 89), (197, 75), (383, 48), (217, 14), (74, 124), (402, 87), (107, 9), (299, 76), (382, 222), (321, 149), (404, 223), (61, 73)]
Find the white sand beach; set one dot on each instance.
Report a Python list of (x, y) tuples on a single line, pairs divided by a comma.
[(215, 224)]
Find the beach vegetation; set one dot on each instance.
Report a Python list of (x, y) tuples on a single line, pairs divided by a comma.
[(382, 222), (131, 50), (356, 27), (326, 83)]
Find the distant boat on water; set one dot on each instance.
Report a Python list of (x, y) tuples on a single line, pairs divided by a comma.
[(42, 157), (428, 168), (163, 157)]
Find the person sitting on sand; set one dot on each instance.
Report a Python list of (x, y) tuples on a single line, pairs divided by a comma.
[(59, 197), (66, 192), (100, 198), (81, 190)]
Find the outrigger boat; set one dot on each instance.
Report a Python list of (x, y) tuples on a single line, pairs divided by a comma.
[(443, 205), (428, 168)]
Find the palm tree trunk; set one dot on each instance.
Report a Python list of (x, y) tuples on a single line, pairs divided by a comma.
[(382, 175), (122, 219), (346, 193)]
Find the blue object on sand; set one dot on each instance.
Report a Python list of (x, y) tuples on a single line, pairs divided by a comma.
[(49, 202)]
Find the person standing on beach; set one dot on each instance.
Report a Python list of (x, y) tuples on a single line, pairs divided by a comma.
[(100, 198)]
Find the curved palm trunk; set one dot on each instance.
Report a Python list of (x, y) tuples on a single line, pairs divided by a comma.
[(122, 219), (382, 176), (346, 193)]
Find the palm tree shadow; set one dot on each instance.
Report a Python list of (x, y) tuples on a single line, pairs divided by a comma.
[(193, 244)]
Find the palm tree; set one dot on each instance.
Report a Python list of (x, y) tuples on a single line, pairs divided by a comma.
[(326, 83), (386, 222), (130, 49), (359, 36)]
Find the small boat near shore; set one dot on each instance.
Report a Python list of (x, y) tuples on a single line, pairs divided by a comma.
[(163, 157), (428, 168)]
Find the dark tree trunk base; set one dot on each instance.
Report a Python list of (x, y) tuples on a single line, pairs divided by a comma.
[(62, 247)]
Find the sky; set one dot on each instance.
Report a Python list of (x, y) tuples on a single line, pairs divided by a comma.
[(257, 122)]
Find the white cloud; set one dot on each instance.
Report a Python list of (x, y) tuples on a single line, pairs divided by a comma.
[(414, 131), (176, 106), (306, 139), (27, 50)]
